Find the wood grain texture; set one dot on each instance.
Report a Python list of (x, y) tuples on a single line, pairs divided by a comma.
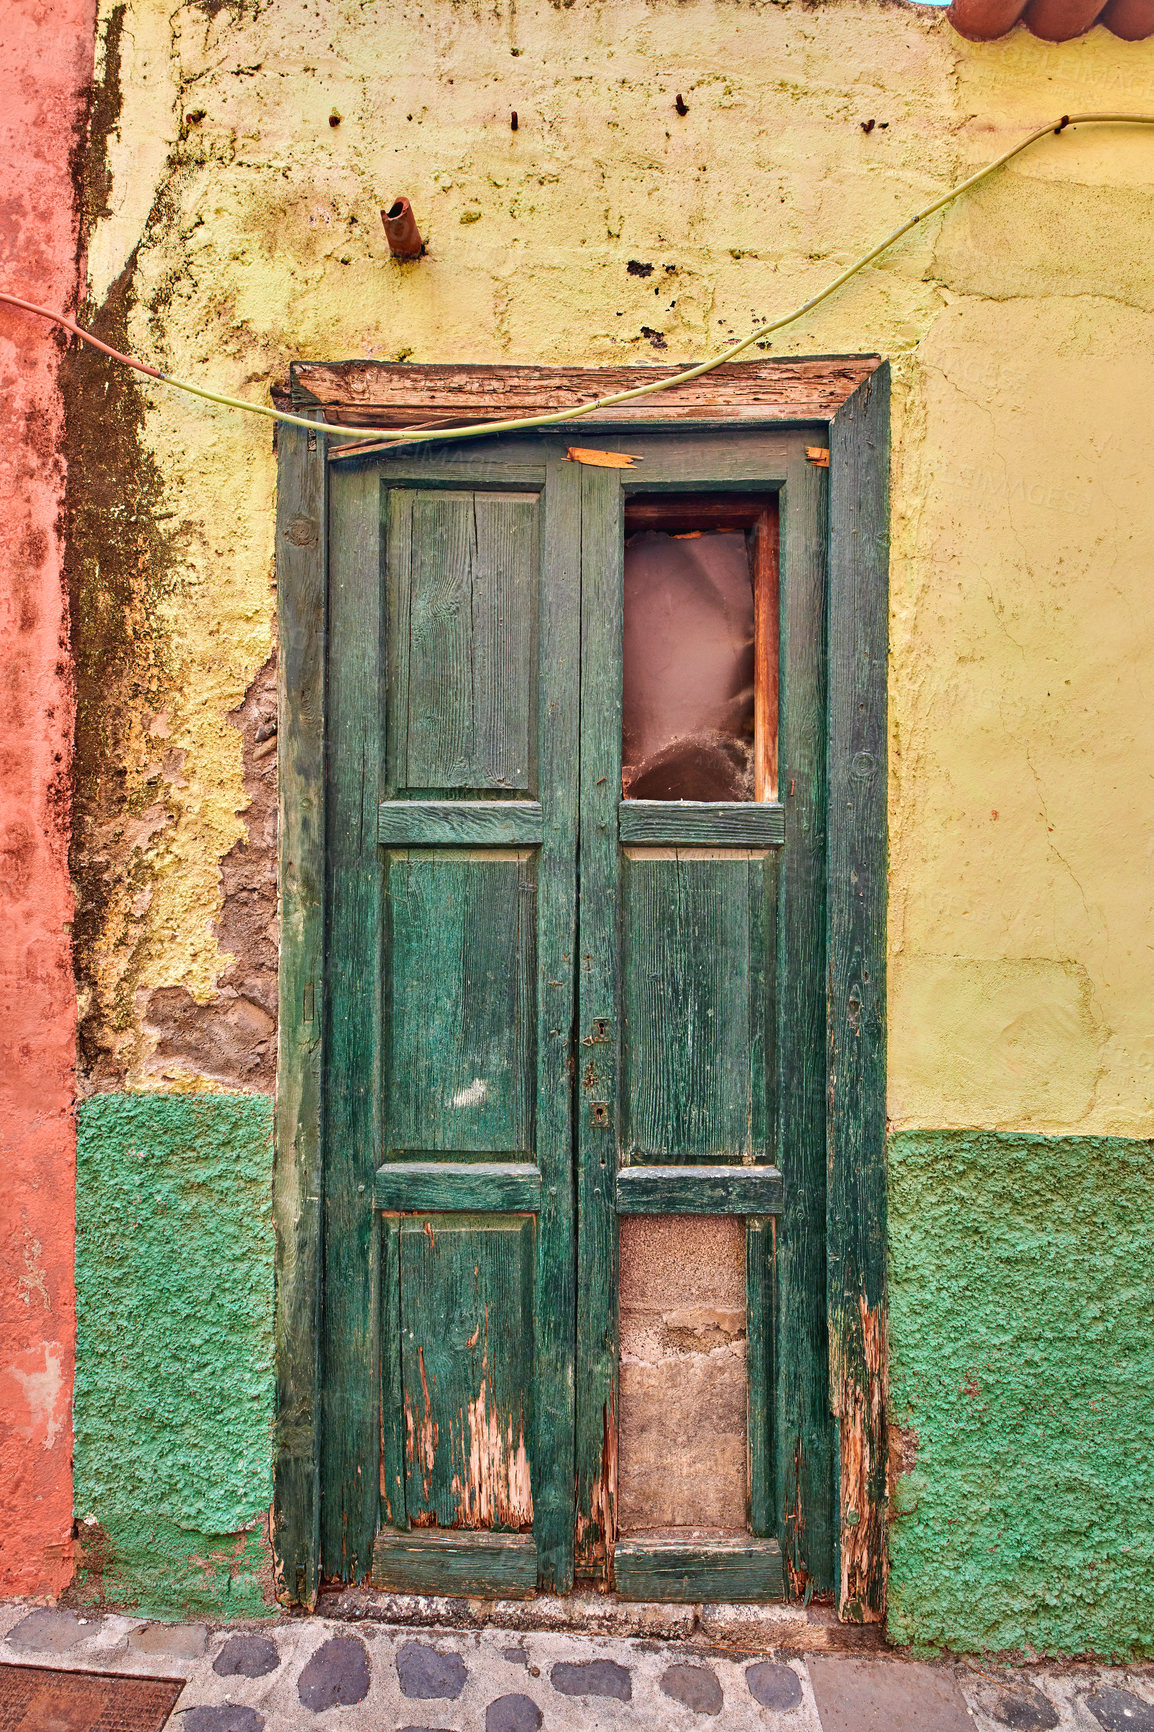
[(698, 1191), (681, 513), (385, 394), (803, 1429), (429, 1186), (392, 1389), (466, 567), (460, 988), (559, 638), (481, 949), (426, 1562), (297, 1175), (856, 945), (687, 1079), (761, 1355), (447, 823), (350, 1404), (675, 1569), (742, 824), (467, 1369), (766, 660), (598, 1019)]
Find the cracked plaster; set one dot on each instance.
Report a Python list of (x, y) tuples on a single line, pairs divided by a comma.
[(1020, 326)]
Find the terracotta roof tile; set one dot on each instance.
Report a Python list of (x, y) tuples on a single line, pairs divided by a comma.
[(1052, 20)]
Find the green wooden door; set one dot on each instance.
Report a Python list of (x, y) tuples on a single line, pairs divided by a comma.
[(700, 1117), (549, 1011), (447, 1436)]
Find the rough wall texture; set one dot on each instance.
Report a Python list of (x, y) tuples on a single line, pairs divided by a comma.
[(174, 1363), (240, 229), (243, 153), (45, 70), (681, 1453), (1023, 1338)]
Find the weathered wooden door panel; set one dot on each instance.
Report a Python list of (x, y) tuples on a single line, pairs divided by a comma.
[(697, 1005), (481, 1145), (465, 569), (699, 1014), (447, 614), (461, 1002), (450, 1012), (464, 1309)]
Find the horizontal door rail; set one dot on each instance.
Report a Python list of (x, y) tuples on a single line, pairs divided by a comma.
[(445, 823), (721, 1569), (716, 823), (458, 1562), (446, 1186), (699, 1191)]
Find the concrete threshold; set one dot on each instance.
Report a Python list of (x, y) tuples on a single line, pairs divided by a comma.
[(738, 1628)]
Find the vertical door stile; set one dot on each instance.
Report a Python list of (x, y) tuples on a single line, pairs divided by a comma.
[(804, 1459), (351, 1428), (558, 743), (300, 570), (597, 1097)]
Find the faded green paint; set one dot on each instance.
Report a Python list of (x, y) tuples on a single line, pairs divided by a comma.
[(174, 1386), (1022, 1291)]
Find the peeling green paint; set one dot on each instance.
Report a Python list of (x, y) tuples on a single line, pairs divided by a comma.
[(174, 1386), (1022, 1319)]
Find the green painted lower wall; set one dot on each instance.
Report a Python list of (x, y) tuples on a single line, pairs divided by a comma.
[(1022, 1373), (1022, 1357), (174, 1385)]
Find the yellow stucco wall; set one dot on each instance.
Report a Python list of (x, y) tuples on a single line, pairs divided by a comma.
[(1021, 327)]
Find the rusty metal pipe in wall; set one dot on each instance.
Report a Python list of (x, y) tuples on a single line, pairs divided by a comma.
[(401, 231)]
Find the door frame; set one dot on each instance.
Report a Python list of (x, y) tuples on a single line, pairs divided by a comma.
[(843, 403)]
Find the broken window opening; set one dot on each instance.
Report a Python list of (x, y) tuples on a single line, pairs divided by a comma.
[(700, 653)]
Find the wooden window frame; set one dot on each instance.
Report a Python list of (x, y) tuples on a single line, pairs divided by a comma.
[(843, 402)]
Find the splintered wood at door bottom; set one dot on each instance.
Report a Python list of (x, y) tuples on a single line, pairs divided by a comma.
[(464, 1314)]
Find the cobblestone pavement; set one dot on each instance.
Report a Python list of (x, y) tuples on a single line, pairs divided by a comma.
[(365, 1675)]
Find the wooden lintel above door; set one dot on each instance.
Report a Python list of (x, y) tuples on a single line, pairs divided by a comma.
[(393, 394)]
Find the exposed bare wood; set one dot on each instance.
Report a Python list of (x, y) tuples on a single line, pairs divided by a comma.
[(688, 513), (601, 459), (391, 394), (765, 655)]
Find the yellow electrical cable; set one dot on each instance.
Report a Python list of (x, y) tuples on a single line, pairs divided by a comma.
[(387, 440), (403, 435)]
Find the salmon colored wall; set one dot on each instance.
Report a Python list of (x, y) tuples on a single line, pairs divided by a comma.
[(45, 70)]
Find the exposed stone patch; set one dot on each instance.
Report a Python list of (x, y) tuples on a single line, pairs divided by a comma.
[(683, 1424), (177, 1641), (47, 1632), (247, 1657), (774, 1685), (1119, 1710), (592, 1678), (120, 566), (232, 1717), (515, 1656), (428, 1675), (1023, 1709), (695, 1687), (513, 1714), (337, 1676), (232, 1039)]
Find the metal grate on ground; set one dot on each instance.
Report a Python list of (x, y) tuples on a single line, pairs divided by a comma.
[(40, 1699)]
